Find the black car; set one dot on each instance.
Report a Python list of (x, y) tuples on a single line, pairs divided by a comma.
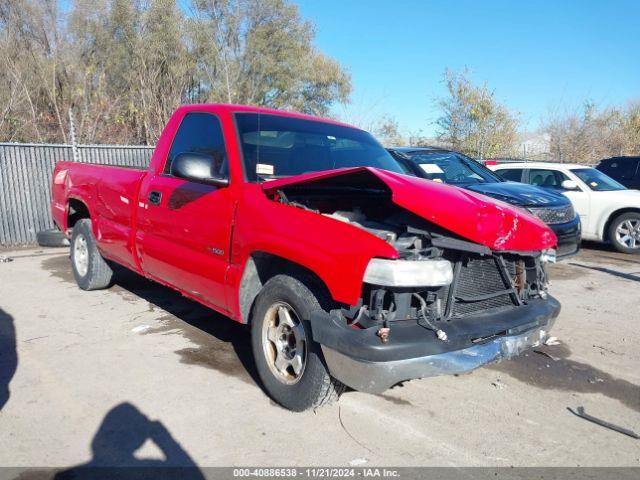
[(454, 168), (626, 170)]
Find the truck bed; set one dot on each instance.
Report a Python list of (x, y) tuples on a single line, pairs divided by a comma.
[(112, 193)]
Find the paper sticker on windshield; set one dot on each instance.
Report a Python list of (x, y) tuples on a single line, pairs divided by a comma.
[(431, 168), (264, 169)]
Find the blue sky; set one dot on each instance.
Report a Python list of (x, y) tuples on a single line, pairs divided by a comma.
[(539, 56)]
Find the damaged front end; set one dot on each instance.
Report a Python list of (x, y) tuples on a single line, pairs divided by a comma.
[(457, 297), (452, 284), (468, 307)]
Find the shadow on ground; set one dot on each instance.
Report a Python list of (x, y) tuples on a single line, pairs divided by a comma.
[(553, 370), (122, 432), (8, 355), (627, 276), (218, 343), (604, 252)]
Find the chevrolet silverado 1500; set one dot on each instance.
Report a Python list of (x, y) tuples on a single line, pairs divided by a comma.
[(348, 272)]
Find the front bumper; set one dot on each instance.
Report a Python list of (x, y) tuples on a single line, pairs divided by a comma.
[(569, 237), (360, 360)]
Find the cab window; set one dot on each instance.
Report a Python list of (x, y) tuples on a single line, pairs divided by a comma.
[(510, 174), (200, 132), (547, 178)]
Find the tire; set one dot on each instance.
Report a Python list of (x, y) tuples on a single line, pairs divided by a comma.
[(51, 238), (311, 385), (90, 270), (624, 233)]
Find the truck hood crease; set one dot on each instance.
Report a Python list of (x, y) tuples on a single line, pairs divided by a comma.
[(473, 216)]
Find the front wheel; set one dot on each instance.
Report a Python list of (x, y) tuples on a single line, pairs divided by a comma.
[(289, 363), (90, 270), (624, 233)]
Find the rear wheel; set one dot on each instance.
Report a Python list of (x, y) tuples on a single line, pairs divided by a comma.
[(624, 233), (289, 363), (90, 270)]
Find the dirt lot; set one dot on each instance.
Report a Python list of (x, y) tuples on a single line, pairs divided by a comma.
[(138, 372)]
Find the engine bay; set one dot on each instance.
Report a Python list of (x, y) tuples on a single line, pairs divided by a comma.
[(483, 280)]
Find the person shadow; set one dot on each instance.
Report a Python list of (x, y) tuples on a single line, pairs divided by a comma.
[(123, 431), (8, 355)]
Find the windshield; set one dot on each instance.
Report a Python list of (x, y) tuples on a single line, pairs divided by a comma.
[(275, 146), (452, 168), (597, 181)]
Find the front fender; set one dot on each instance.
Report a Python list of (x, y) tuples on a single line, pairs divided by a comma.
[(338, 253)]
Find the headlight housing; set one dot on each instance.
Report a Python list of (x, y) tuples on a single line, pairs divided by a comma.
[(408, 273), (548, 255)]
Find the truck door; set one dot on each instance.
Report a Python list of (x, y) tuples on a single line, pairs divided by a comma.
[(184, 228), (551, 178)]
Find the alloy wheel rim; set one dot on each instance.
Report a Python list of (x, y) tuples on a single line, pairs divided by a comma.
[(284, 343), (628, 233), (81, 255)]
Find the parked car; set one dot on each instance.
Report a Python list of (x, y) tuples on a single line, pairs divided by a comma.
[(624, 170), (454, 168), (347, 271), (609, 212)]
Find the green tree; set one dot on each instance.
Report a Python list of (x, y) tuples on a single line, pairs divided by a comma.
[(163, 65), (261, 52)]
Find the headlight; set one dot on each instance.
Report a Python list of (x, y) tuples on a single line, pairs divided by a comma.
[(408, 273), (548, 255)]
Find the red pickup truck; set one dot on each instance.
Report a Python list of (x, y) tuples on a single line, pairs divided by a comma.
[(348, 272)]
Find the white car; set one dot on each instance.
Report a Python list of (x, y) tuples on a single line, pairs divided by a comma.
[(608, 211)]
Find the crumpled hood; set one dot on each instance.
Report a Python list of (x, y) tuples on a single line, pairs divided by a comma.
[(520, 194), (473, 216)]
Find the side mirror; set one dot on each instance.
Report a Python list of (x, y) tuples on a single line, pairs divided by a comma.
[(569, 185), (197, 167)]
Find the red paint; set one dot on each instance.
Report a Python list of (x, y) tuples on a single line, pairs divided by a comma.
[(199, 239), (471, 215)]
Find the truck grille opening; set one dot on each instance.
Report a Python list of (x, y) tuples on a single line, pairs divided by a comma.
[(482, 284), (479, 286)]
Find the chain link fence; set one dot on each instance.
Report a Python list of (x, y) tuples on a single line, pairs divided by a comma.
[(25, 182)]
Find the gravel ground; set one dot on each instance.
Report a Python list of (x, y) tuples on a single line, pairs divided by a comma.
[(138, 372)]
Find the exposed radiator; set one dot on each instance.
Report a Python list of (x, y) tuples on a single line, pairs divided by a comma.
[(478, 277)]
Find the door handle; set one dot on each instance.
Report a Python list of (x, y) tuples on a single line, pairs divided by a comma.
[(155, 197)]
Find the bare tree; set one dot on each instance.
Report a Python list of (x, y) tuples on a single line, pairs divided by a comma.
[(473, 121), (387, 131), (588, 134)]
